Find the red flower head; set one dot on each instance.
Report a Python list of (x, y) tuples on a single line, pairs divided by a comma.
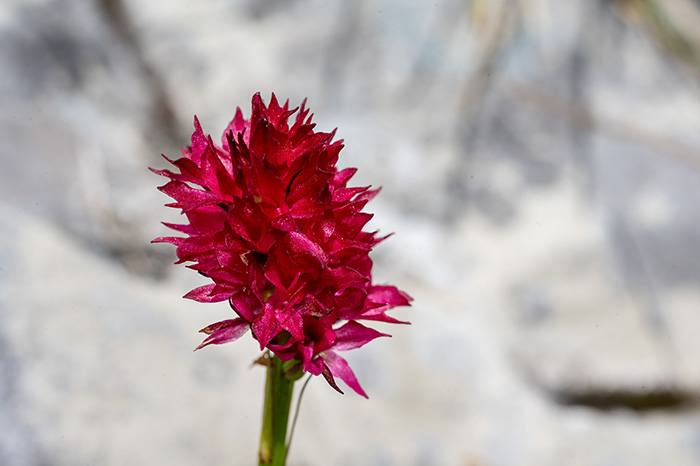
[(272, 223)]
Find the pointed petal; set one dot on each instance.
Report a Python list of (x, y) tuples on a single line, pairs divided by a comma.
[(331, 381), (380, 316), (186, 228), (203, 294), (306, 208), (339, 368), (343, 277), (386, 294), (236, 126), (292, 322), (168, 239), (199, 142), (353, 335), (187, 196), (345, 194), (382, 298), (341, 177), (224, 332), (266, 326), (246, 305), (300, 244), (311, 306), (209, 329)]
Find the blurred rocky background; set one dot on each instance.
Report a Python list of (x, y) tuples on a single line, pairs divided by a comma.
[(541, 169)]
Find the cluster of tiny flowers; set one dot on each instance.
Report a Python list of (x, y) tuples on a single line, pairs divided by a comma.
[(273, 224)]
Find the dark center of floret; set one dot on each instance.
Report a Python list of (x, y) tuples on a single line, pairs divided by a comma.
[(223, 206), (313, 328), (261, 257), (282, 338), (289, 186)]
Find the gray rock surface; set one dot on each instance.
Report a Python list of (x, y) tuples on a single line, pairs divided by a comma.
[(540, 171)]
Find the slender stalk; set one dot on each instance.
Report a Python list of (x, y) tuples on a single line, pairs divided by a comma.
[(278, 399), (296, 412)]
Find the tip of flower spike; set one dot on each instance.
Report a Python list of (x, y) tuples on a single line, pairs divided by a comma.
[(273, 100), (321, 240)]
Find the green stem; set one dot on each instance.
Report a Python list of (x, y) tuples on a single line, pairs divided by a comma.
[(278, 399)]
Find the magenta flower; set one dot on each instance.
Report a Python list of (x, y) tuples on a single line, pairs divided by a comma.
[(273, 224)]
